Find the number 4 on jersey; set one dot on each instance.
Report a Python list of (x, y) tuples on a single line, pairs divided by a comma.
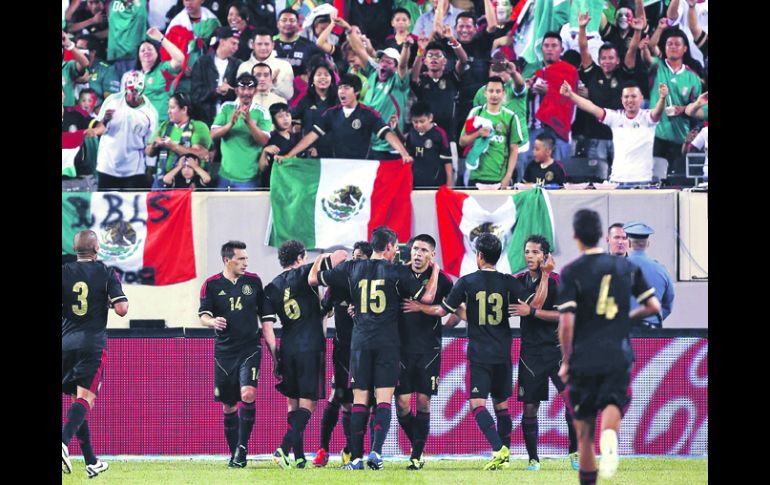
[(606, 305)]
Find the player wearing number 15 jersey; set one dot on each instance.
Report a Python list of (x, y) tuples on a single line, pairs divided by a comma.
[(232, 303), (594, 301)]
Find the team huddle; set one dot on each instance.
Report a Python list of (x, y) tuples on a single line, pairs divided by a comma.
[(388, 322)]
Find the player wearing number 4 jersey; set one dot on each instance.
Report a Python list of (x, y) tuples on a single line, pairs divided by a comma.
[(377, 287), (88, 290), (487, 295), (232, 303), (594, 323)]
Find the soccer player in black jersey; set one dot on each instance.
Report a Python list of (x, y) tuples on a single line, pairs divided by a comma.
[(540, 355), (420, 353), (303, 344), (594, 324), (487, 295), (342, 394), (233, 303), (377, 287), (88, 290)]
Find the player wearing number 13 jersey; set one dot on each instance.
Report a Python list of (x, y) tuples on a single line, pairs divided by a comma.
[(232, 303)]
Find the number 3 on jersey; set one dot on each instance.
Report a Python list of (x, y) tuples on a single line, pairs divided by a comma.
[(81, 288), (606, 305), (372, 293)]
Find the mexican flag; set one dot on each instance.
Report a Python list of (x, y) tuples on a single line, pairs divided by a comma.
[(332, 202), (549, 15), (70, 146), (461, 220), (146, 237)]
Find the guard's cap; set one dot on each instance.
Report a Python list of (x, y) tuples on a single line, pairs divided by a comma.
[(638, 230)]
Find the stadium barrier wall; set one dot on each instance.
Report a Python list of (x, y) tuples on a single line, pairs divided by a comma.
[(157, 398), (219, 216)]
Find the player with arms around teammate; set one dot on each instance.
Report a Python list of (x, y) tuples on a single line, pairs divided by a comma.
[(540, 355), (487, 295), (342, 396), (303, 344), (594, 322), (420, 352), (88, 290), (377, 287), (233, 303)]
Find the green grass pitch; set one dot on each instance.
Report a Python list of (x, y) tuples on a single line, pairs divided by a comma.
[(643, 471)]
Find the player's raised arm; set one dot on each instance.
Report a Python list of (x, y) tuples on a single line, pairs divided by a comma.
[(325, 262)]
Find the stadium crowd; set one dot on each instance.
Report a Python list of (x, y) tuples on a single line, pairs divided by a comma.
[(475, 93)]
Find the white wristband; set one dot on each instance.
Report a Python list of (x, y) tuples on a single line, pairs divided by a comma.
[(71, 47)]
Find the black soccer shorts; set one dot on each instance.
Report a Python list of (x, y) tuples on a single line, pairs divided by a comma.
[(234, 371), (494, 379), (589, 394), (341, 376), (534, 371), (82, 368), (374, 368), (419, 373), (303, 375)]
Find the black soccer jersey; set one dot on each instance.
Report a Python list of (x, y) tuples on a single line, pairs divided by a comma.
[(487, 294), (539, 335), (552, 174), (86, 290), (297, 53), (298, 306), (441, 96), (421, 333), (431, 154), (597, 287), (377, 288), (307, 113), (242, 304), (351, 135), (338, 299)]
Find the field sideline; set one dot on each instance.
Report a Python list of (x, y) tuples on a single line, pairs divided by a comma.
[(556, 471)]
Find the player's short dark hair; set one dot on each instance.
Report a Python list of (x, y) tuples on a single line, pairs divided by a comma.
[(420, 108), (545, 246), (607, 46), (365, 248), (552, 35), (489, 246), (290, 11), (289, 252), (277, 108), (228, 249), (617, 224), (403, 11), (587, 226), (263, 31), (465, 15), (496, 79), (381, 237), (426, 238), (262, 64), (350, 80), (547, 139)]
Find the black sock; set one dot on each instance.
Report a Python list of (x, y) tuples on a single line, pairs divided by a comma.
[(529, 429), (587, 478), (301, 417), (407, 424), (231, 430), (487, 426), (381, 426), (346, 430), (247, 415), (84, 440), (421, 431), (573, 446), (358, 418), (328, 422), (288, 438), (371, 428), (75, 417), (504, 426)]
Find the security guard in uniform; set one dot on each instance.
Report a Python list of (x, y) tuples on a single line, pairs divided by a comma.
[(654, 272)]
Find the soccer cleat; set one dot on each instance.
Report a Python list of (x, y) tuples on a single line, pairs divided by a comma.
[(97, 468), (499, 457), (608, 447), (239, 458), (66, 464), (356, 464), (574, 459), (321, 458), (415, 464), (300, 463), (534, 466), (281, 459), (374, 461), (346, 456)]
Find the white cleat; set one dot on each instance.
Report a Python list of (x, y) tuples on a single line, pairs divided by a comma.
[(97, 468), (608, 447), (66, 464)]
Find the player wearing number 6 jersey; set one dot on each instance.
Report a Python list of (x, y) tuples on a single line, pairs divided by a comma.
[(233, 303), (594, 323), (88, 290), (377, 287)]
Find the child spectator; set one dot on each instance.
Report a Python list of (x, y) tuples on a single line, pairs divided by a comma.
[(427, 143), (282, 140), (545, 171), (187, 173)]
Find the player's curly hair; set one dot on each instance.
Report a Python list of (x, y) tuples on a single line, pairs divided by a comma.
[(545, 246), (289, 252), (365, 248)]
